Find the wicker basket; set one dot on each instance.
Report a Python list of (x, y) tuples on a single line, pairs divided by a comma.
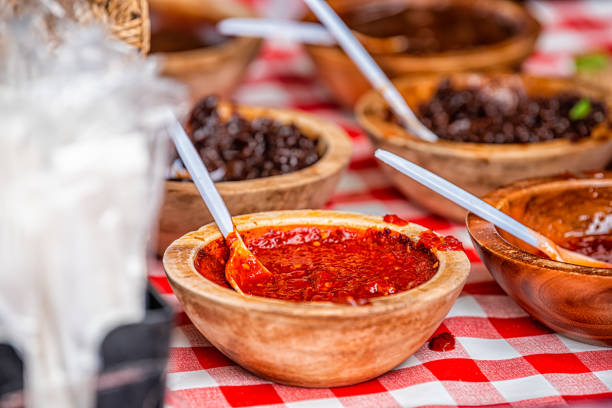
[(127, 20)]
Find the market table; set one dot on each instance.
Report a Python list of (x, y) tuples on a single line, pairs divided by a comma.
[(502, 356)]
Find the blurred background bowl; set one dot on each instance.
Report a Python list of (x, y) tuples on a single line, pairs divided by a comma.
[(480, 167), (183, 209), (184, 36), (570, 299), (594, 68), (345, 81)]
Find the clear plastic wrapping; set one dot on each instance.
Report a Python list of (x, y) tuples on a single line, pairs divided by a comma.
[(82, 158)]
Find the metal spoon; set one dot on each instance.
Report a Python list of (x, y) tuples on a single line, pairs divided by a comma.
[(242, 266), (481, 208)]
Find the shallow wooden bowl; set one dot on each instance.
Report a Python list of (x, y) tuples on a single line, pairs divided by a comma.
[(570, 299), (312, 344), (347, 83), (183, 209), (215, 69), (478, 167)]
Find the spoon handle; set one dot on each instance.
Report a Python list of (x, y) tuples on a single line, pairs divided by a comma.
[(199, 175), (461, 197), (308, 33), (368, 67)]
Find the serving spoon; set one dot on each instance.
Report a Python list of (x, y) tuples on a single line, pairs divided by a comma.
[(242, 267), (485, 210)]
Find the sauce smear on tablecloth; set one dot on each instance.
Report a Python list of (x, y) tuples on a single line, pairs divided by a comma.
[(330, 263), (442, 342)]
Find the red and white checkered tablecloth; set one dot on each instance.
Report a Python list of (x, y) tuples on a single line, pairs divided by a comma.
[(502, 356)]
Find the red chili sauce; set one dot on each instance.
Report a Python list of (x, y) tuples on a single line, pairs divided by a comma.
[(328, 263), (441, 243), (595, 246), (395, 220), (442, 342), (428, 238)]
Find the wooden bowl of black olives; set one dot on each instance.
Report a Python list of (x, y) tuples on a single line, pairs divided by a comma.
[(494, 129), (261, 159)]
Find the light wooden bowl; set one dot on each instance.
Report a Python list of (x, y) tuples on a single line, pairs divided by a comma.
[(347, 83), (570, 299), (183, 209), (479, 167), (312, 344), (210, 70)]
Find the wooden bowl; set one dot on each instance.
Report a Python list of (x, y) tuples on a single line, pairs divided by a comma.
[(215, 69), (183, 209), (347, 83), (312, 344), (570, 299), (480, 167)]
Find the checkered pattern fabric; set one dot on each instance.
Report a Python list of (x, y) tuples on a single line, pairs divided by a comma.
[(502, 356)]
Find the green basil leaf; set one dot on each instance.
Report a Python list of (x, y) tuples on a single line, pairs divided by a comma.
[(592, 62), (580, 110)]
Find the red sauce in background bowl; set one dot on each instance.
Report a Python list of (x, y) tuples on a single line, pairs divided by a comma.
[(330, 263), (596, 246)]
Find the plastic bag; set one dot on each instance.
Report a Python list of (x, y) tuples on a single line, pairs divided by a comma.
[(82, 158)]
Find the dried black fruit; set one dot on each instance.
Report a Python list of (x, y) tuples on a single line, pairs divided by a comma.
[(239, 149), (507, 115)]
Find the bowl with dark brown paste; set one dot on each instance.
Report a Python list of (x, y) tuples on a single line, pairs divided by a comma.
[(261, 159), (494, 129), (184, 37), (427, 36)]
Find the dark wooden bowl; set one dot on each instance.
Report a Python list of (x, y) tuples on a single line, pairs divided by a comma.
[(347, 83), (570, 299)]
